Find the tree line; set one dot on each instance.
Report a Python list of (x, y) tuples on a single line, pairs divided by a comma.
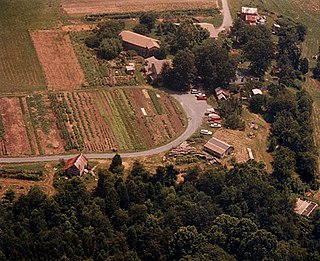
[(214, 214)]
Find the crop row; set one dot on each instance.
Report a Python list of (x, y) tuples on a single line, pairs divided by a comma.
[(28, 126), (117, 124), (62, 113)]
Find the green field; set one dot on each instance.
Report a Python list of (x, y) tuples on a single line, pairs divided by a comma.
[(20, 69)]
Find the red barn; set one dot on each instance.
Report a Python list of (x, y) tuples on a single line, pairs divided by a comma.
[(249, 15), (76, 166)]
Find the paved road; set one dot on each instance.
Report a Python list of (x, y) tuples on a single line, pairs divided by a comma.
[(227, 19), (193, 108)]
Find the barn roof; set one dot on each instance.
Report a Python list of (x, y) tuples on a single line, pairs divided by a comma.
[(217, 146), (304, 207), (79, 162), (139, 40)]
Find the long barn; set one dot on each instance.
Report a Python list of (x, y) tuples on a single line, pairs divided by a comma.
[(218, 148)]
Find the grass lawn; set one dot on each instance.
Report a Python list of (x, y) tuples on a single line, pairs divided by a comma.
[(20, 69)]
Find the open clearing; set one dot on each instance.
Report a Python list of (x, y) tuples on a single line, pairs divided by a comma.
[(11, 177), (58, 59), (95, 121), (256, 140), (78, 7)]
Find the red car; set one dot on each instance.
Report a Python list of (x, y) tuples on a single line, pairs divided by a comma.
[(202, 97)]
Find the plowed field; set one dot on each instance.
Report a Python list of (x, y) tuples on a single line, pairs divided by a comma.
[(58, 59), (76, 7), (123, 119)]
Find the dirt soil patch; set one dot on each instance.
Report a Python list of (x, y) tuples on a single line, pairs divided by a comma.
[(16, 137), (58, 59), (77, 7)]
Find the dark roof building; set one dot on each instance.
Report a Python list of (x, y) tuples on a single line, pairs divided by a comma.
[(76, 166), (153, 67), (222, 94), (218, 148)]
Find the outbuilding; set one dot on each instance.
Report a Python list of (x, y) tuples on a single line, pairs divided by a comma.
[(143, 45), (75, 166), (256, 91), (218, 148)]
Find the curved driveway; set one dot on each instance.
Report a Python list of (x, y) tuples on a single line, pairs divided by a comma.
[(227, 19), (193, 108)]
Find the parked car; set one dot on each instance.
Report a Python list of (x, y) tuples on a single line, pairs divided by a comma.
[(199, 94), (206, 132), (194, 91), (215, 125), (211, 115), (208, 111), (214, 118), (202, 97)]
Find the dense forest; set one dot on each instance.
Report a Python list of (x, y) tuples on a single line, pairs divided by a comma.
[(214, 214)]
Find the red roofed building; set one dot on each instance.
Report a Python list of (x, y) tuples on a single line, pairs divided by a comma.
[(249, 15), (75, 166)]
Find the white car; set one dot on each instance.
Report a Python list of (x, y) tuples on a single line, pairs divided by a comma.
[(215, 125), (194, 91), (213, 115), (206, 132), (200, 94), (209, 111)]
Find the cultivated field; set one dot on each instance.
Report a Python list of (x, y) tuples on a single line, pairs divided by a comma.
[(20, 69), (19, 66), (58, 59), (76, 7), (96, 121)]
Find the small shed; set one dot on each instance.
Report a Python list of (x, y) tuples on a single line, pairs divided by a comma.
[(130, 69), (304, 207), (222, 94), (218, 148), (76, 166)]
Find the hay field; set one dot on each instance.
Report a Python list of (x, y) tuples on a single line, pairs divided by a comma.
[(78, 7), (58, 59)]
